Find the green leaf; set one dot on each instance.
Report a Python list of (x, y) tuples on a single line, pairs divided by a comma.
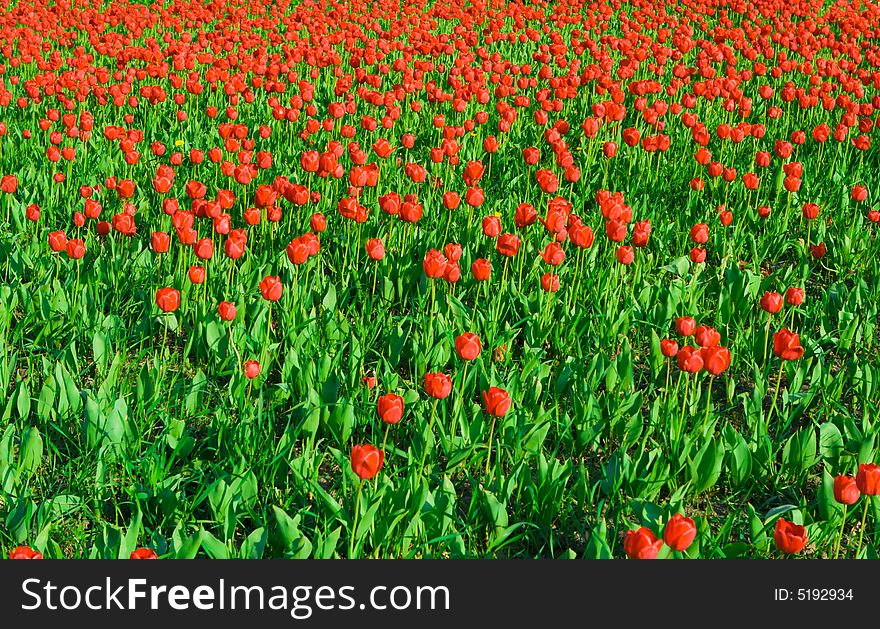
[(705, 467), (23, 400), (31, 453)]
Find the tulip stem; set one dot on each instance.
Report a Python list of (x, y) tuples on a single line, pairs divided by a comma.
[(776, 393), (385, 439), (666, 388), (766, 340), (684, 405), (268, 334), (491, 434), (461, 400), (862, 527), (708, 402), (840, 536), (357, 505), (428, 437)]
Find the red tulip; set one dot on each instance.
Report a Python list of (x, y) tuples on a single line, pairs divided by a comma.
[(160, 242), (787, 345), (507, 244), (846, 490), (771, 302), (698, 255), (453, 252), (375, 249), (669, 348), (868, 479), (685, 326), (700, 233), (434, 264), (168, 299), (625, 254), (297, 251), (497, 401), (468, 346), (491, 226), (143, 553), (438, 385), (690, 359), (790, 538), (76, 248), (481, 269), (252, 369), (390, 408), (24, 552), (553, 254), (794, 296), (716, 359), (706, 336), (226, 310), (271, 288), (196, 274), (641, 543), (859, 193), (366, 461), (57, 241), (680, 532), (550, 282)]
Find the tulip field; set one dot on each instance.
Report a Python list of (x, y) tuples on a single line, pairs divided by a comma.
[(415, 279)]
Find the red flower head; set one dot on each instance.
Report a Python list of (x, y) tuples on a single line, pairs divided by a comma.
[(787, 345), (491, 226), (794, 296), (690, 359), (669, 348), (390, 408), (57, 241), (434, 264), (507, 244), (143, 553), (679, 532), (790, 538), (553, 254), (700, 233), (375, 249), (24, 552), (481, 269), (641, 543), (685, 326), (706, 336), (868, 479), (252, 369), (716, 359), (366, 461), (271, 288), (550, 282), (226, 310), (468, 346), (497, 401), (438, 385), (771, 302), (846, 490), (168, 299)]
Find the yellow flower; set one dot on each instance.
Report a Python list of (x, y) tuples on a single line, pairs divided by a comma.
[(178, 142)]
